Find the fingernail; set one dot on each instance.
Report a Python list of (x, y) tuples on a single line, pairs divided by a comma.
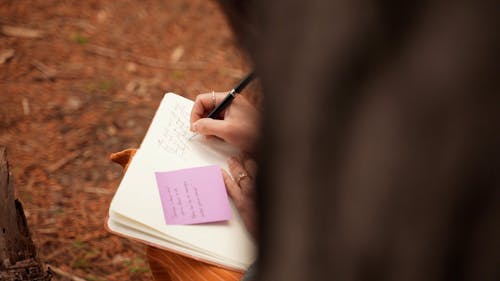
[(194, 127)]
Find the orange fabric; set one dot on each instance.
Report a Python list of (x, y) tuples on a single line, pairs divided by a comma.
[(123, 157), (168, 266)]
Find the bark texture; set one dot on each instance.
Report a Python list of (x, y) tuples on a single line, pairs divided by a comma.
[(18, 259)]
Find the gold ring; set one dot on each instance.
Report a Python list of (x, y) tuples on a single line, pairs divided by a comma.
[(241, 176), (213, 99)]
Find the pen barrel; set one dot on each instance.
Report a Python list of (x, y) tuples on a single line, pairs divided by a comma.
[(227, 100), (214, 114), (244, 82)]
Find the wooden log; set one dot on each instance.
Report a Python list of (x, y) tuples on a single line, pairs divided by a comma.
[(18, 258)]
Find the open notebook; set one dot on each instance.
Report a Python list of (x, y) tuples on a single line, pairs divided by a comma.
[(136, 211)]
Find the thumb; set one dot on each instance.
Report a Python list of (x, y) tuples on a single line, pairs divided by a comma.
[(211, 127)]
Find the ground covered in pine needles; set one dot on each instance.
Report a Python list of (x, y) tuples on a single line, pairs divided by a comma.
[(80, 80)]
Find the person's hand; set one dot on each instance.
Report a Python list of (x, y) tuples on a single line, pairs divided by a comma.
[(241, 188), (238, 124)]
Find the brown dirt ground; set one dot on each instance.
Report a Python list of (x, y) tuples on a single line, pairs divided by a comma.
[(88, 86)]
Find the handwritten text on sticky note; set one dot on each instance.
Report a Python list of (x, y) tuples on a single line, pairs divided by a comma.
[(194, 195)]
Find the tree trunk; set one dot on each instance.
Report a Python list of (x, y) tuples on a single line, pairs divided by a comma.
[(18, 259)]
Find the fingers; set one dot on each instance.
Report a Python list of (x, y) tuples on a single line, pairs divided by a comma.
[(250, 165), (203, 104), (212, 127), (244, 203), (241, 189), (241, 176), (233, 189)]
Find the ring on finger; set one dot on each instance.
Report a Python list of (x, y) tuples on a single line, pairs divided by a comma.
[(213, 99), (241, 176)]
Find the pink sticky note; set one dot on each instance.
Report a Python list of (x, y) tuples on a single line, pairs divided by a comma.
[(194, 195)]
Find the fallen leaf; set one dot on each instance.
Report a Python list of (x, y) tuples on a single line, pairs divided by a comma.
[(176, 54), (48, 72), (16, 31), (6, 55), (131, 67)]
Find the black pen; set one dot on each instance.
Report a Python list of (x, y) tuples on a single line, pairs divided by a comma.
[(229, 98)]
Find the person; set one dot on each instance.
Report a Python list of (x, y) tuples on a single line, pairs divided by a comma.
[(239, 125)]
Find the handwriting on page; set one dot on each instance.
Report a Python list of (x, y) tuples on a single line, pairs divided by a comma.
[(194, 195), (175, 133), (184, 201)]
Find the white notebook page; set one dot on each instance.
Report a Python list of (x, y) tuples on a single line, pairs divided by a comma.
[(166, 147)]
